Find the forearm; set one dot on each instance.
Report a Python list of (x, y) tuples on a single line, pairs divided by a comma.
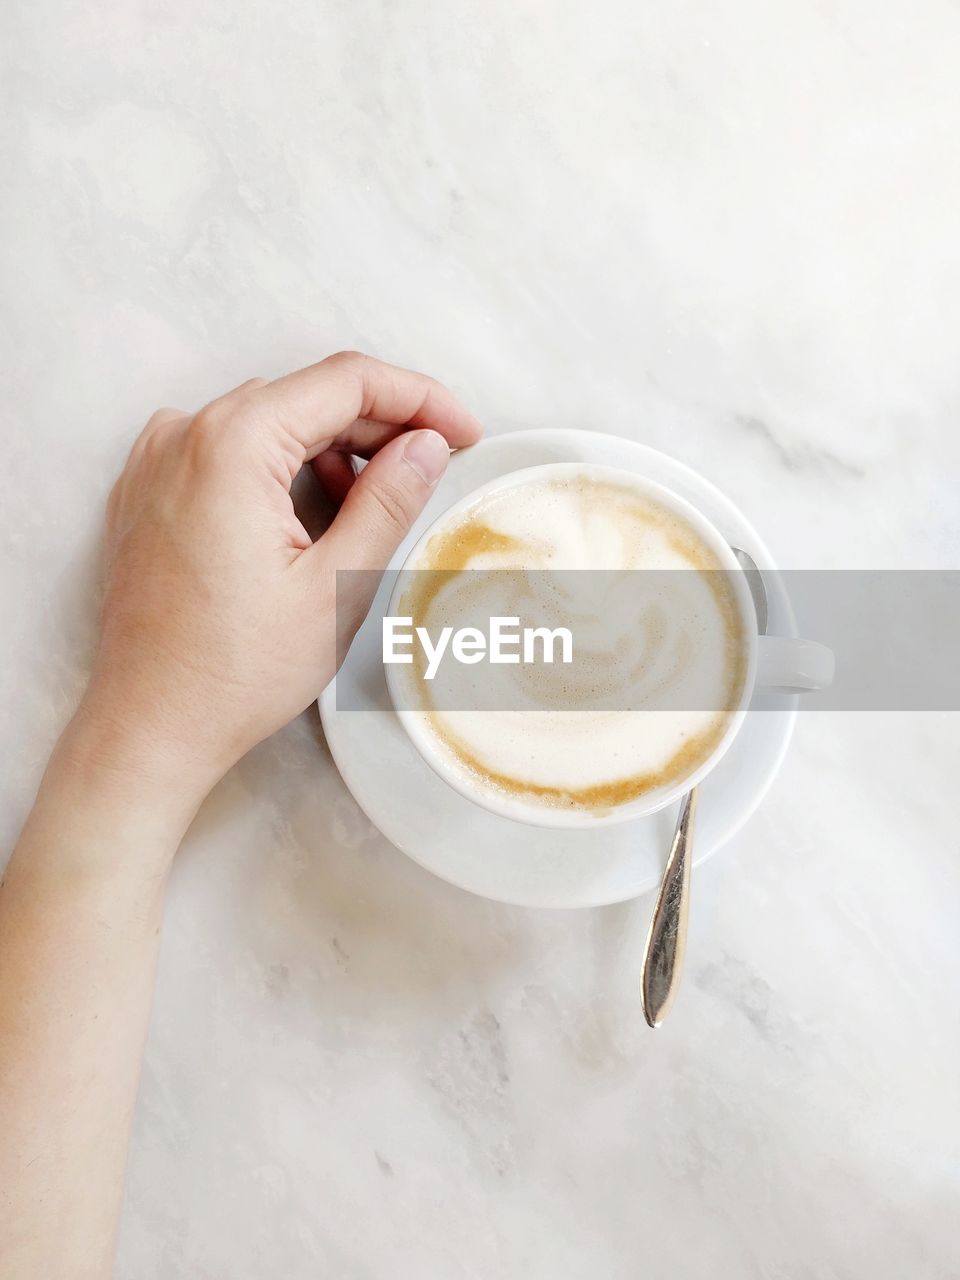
[(80, 910)]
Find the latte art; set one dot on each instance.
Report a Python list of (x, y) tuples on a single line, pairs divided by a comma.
[(657, 671)]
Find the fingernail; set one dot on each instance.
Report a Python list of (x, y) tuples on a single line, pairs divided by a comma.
[(428, 453)]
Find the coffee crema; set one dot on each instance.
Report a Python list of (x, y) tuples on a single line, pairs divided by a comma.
[(660, 661)]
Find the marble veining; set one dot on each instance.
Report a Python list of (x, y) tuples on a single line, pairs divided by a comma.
[(727, 231)]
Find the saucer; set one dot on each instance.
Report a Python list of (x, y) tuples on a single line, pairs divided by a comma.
[(497, 857)]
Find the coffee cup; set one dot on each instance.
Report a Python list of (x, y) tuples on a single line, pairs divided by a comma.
[(526, 765)]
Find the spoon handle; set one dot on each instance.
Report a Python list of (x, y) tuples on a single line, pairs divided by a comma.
[(663, 953)]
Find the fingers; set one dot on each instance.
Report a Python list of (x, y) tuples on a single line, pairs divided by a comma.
[(335, 472), (349, 403), (376, 515), (325, 403), (232, 400), (336, 469), (365, 436), (383, 503)]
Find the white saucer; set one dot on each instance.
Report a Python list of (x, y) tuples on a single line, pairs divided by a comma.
[(505, 860)]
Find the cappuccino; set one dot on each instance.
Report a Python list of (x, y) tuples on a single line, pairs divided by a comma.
[(658, 663)]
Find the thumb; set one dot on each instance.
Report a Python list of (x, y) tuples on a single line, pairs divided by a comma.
[(386, 498), (382, 504)]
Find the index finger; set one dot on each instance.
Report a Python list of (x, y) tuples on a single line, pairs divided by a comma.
[(321, 404)]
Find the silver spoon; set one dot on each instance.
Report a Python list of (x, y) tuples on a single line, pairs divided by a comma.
[(667, 938)]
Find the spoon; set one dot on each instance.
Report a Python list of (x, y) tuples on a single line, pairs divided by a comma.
[(667, 938)]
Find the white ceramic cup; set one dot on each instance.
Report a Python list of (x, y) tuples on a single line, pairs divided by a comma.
[(773, 663)]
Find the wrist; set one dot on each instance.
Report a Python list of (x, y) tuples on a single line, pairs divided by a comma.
[(99, 840), (127, 776)]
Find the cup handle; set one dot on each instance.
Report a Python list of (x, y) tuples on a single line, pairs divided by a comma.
[(787, 665)]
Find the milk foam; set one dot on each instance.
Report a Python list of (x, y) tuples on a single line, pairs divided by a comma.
[(676, 633)]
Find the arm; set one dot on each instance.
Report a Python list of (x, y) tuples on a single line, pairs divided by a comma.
[(218, 627)]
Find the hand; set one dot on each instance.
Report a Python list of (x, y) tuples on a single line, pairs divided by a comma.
[(218, 626), (218, 621)]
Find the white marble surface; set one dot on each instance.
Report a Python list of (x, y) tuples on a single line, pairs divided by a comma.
[(728, 230)]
